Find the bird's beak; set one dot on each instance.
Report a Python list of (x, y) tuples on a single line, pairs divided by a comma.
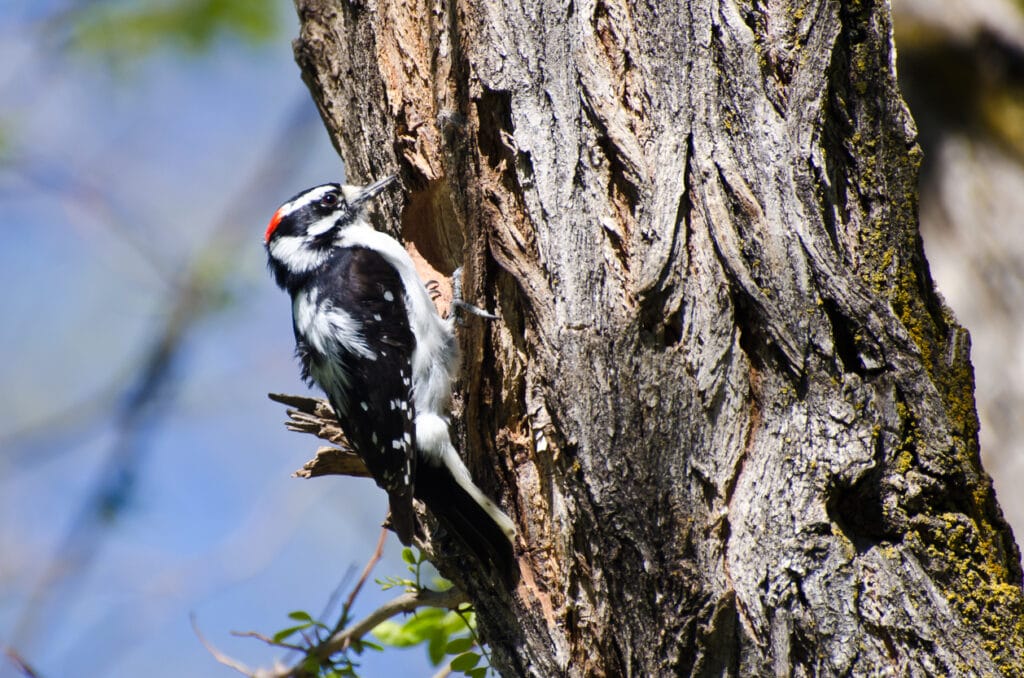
[(368, 193)]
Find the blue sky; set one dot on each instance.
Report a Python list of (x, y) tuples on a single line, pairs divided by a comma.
[(111, 186)]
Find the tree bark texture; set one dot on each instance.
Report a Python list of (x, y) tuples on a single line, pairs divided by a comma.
[(731, 417)]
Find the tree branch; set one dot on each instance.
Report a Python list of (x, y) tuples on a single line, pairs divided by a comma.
[(315, 416), (374, 559), (20, 662), (407, 602), (342, 640), (217, 654)]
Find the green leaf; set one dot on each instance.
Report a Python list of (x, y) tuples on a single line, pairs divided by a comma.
[(435, 649), (394, 582), (299, 615), (292, 630), (417, 629), (441, 584), (452, 624), (393, 634), (408, 556), (372, 646), (311, 665), (478, 672), (465, 662), (426, 616), (459, 645)]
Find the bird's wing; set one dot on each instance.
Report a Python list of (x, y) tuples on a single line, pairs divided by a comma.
[(367, 299)]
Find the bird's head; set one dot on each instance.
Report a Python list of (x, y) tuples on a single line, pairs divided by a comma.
[(303, 231)]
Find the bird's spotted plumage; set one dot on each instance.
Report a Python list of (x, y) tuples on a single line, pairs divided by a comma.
[(336, 327)]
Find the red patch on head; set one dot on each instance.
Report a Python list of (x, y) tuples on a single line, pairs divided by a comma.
[(274, 221)]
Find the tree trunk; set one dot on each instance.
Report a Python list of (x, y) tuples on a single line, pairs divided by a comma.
[(725, 406)]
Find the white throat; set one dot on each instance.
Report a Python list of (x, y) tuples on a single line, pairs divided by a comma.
[(297, 253)]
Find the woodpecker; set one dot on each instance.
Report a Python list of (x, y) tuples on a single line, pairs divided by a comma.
[(368, 334)]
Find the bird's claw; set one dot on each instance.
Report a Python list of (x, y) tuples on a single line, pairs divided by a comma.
[(433, 289), (459, 305)]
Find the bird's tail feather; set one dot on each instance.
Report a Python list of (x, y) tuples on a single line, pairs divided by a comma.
[(402, 517), (464, 510)]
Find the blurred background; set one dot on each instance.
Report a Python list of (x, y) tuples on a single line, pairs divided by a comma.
[(144, 476)]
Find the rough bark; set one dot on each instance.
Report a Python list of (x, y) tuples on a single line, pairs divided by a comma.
[(731, 417)]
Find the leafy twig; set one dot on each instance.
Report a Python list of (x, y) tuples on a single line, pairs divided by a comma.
[(341, 640)]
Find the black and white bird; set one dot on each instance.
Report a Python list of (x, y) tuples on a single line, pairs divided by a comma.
[(367, 332)]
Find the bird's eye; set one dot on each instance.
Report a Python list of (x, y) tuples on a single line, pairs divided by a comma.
[(329, 200)]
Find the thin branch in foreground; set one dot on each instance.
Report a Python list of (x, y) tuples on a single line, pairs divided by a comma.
[(338, 642), (336, 596), (370, 564), (341, 640), (268, 640), (20, 662), (217, 654), (444, 671)]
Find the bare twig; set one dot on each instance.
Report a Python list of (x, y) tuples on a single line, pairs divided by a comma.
[(20, 662), (374, 559), (268, 640), (336, 596), (315, 416), (217, 654), (332, 461), (341, 638), (444, 671)]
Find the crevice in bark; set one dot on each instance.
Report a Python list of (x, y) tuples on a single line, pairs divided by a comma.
[(661, 318), (759, 346), (858, 509), (837, 129), (501, 392), (801, 650), (494, 111), (845, 339), (661, 307), (827, 198), (622, 190), (713, 641)]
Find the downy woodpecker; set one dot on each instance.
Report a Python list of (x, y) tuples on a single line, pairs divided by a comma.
[(367, 332)]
